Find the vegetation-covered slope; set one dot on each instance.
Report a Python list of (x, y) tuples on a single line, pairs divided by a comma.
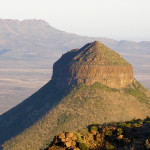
[(84, 105)]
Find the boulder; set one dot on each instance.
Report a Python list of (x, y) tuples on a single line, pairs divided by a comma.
[(73, 144), (73, 138), (93, 132), (69, 134), (61, 136), (68, 144), (120, 137)]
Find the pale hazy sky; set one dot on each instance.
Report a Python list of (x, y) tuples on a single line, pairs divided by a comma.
[(118, 19)]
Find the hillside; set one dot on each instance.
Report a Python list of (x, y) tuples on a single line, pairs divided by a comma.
[(29, 48), (53, 109)]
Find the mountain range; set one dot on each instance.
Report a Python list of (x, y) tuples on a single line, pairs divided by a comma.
[(36, 38)]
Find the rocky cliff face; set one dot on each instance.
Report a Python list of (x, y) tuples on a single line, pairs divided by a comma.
[(92, 63)]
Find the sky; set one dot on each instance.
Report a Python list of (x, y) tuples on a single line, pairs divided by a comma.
[(117, 19)]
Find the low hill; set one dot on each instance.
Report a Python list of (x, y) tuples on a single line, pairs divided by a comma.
[(55, 108)]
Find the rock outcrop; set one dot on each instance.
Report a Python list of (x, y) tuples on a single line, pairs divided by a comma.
[(92, 63), (66, 140), (130, 135)]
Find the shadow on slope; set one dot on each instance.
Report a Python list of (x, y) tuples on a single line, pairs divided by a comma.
[(29, 111)]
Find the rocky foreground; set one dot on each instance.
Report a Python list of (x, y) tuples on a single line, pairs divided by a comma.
[(130, 135)]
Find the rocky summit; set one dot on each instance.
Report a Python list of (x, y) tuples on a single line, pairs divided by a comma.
[(92, 63), (91, 85)]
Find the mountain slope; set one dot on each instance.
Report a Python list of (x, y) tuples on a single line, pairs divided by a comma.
[(79, 109), (52, 109)]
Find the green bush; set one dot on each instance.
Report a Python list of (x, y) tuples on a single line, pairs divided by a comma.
[(123, 125), (119, 131), (110, 146), (108, 132), (136, 125), (147, 120), (82, 146), (94, 128), (147, 144)]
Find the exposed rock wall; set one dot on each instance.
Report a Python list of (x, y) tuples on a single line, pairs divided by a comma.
[(112, 76)]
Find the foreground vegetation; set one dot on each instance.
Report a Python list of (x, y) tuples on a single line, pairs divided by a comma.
[(134, 134)]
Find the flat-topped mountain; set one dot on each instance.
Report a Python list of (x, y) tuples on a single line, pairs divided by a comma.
[(76, 96), (92, 63)]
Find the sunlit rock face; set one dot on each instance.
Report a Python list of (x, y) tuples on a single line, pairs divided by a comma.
[(94, 62)]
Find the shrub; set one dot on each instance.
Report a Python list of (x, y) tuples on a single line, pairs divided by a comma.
[(108, 132), (123, 125), (147, 120), (109, 146), (94, 128), (147, 144), (82, 146), (119, 131)]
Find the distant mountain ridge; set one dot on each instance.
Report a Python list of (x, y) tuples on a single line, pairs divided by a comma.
[(37, 40), (37, 35), (34, 122)]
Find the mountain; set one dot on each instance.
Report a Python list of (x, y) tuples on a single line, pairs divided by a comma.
[(92, 63), (83, 90), (29, 48)]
